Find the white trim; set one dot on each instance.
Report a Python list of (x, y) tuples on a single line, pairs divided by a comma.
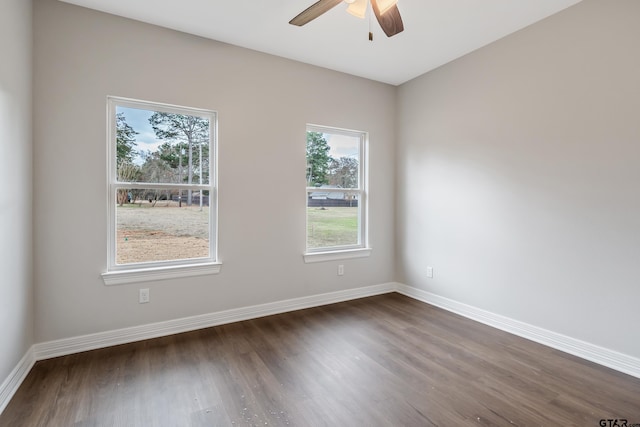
[(612, 359), (311, 257), (72, 345), (362, 190), (11, 384), (115, 269), (602, 356), (120, 277), (161, 186)]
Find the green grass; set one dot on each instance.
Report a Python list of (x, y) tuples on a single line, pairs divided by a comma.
[(332, 227)]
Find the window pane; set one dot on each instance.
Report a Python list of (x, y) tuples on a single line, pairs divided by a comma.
[(332, 219), (159, 147), (333, 159), (157, 225)]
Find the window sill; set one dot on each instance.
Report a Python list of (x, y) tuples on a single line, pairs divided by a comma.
[(312, 257), (159, 273)]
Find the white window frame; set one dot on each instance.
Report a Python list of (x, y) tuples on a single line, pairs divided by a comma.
[(157, 270), (361, 249)]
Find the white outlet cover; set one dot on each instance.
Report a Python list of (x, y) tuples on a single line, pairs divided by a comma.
[(143, 296)]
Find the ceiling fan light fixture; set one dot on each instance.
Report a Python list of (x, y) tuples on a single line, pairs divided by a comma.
[(385, 5), (358, 8), (385, 11)]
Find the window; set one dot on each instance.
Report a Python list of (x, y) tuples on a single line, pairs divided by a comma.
[(336, 194), (162, 194)]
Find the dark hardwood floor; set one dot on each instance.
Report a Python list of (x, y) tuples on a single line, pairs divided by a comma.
[(381, 361)]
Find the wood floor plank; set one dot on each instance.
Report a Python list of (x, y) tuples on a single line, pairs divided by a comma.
[(381, 361)]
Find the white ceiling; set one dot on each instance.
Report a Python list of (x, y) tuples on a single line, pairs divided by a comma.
[(436, 31)]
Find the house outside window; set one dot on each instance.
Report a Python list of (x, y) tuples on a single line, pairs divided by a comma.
[(336, 193), (161, 191)]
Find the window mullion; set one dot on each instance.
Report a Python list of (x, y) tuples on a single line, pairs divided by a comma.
[(170, 186)]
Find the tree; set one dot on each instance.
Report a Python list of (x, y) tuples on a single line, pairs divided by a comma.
[(125, 140), (173, 156), (182, 128), (318, 159), (127, 172), (343, 172), (125, 144), (155, 169)]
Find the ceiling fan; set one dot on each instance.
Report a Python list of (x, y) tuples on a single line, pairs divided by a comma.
[(386, 12)]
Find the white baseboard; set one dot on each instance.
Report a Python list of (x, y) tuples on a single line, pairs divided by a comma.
[(618, 361), (600, 355), (47, 350), (10, 385)]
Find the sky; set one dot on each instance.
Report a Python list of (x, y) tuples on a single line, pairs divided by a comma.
[(139, 121), (342, 145)]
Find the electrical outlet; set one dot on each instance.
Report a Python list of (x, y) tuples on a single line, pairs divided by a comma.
[(341, 270), (144, 296), (430, 272)]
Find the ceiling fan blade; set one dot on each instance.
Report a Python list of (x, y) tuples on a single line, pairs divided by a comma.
[(313, 11), (390, 21)]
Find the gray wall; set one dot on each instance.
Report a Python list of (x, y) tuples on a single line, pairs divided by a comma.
[(263, 102), (16, 285), (518, 176)]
